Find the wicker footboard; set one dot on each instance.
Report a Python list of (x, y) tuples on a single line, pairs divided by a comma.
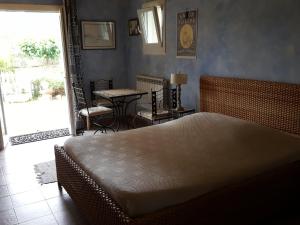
[(243, 203), (96, 205)]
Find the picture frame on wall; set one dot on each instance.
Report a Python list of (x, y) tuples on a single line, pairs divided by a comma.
[(98, 35), (134, 27), (187, 23)]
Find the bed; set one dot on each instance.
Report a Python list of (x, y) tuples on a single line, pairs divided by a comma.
[(145, 187)]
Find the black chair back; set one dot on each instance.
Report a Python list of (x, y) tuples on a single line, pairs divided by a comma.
[(81, 102), (98, 85)]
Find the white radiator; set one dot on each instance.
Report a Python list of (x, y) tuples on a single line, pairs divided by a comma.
[(149, 84)]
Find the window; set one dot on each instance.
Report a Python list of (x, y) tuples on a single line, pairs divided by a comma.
[(152, 20)]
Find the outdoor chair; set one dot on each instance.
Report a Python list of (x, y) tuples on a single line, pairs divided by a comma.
[(91, 114), (99, 85)]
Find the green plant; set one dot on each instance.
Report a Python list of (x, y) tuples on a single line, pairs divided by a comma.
[(30, 49), (6, 66), (49, 50), (46, 49), (36, 89), (56, 87)]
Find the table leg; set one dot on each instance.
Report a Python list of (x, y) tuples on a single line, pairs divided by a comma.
[(119, 109), (126, 107), (116, 113)]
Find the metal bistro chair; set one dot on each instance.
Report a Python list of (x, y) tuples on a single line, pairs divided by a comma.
[(158, 107), (90, 113), (99, 85)]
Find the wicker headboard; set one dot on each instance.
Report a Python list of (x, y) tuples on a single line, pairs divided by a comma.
[(271, 104)]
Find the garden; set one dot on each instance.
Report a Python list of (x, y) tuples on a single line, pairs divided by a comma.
[(32, 82)]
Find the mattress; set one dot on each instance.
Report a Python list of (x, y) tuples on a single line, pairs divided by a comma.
[(155, 167)]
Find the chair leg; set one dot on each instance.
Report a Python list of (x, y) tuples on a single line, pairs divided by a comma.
[(108, 127), (104, 128), (98, 130), (88, 123)]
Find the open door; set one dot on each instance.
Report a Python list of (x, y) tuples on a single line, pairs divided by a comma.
[(67, 84)]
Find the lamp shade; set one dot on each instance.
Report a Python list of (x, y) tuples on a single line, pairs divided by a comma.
[(178, 78)]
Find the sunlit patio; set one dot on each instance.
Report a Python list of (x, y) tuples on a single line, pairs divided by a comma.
[(40, 115)]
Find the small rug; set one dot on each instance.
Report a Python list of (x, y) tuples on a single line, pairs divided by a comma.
[(39, 136), (46, 172)]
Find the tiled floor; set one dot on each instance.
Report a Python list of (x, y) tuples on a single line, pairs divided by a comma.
[(22, 199)]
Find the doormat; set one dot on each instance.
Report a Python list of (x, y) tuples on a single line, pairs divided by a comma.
[(39, 136), (46, 172)]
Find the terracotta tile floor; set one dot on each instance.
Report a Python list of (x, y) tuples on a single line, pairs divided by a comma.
[(22, 199)]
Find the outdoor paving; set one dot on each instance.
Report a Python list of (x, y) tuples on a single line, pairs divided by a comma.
[(34, 116)]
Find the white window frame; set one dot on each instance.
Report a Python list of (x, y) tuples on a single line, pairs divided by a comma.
[(158, 36), (160, 47)]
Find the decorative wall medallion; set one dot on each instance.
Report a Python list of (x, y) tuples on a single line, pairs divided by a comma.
[(187, 34)]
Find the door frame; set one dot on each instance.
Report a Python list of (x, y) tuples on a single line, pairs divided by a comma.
[(68, 86)]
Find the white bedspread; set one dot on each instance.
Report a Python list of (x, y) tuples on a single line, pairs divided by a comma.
[(155, 167)]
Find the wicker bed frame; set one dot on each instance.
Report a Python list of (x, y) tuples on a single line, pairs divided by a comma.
[(271, 104)]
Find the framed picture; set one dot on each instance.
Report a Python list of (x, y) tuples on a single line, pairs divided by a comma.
[(98, 35), (187, 34), (134, 27)]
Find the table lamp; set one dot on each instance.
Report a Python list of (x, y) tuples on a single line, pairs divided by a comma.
[(178, 80)]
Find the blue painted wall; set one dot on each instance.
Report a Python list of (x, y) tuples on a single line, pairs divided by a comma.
[(257, 39), (106, 64)]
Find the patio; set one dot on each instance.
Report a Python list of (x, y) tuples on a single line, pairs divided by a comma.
[(34, 116)]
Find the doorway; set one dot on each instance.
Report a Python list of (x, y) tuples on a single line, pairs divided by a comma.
[(33, 76)]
